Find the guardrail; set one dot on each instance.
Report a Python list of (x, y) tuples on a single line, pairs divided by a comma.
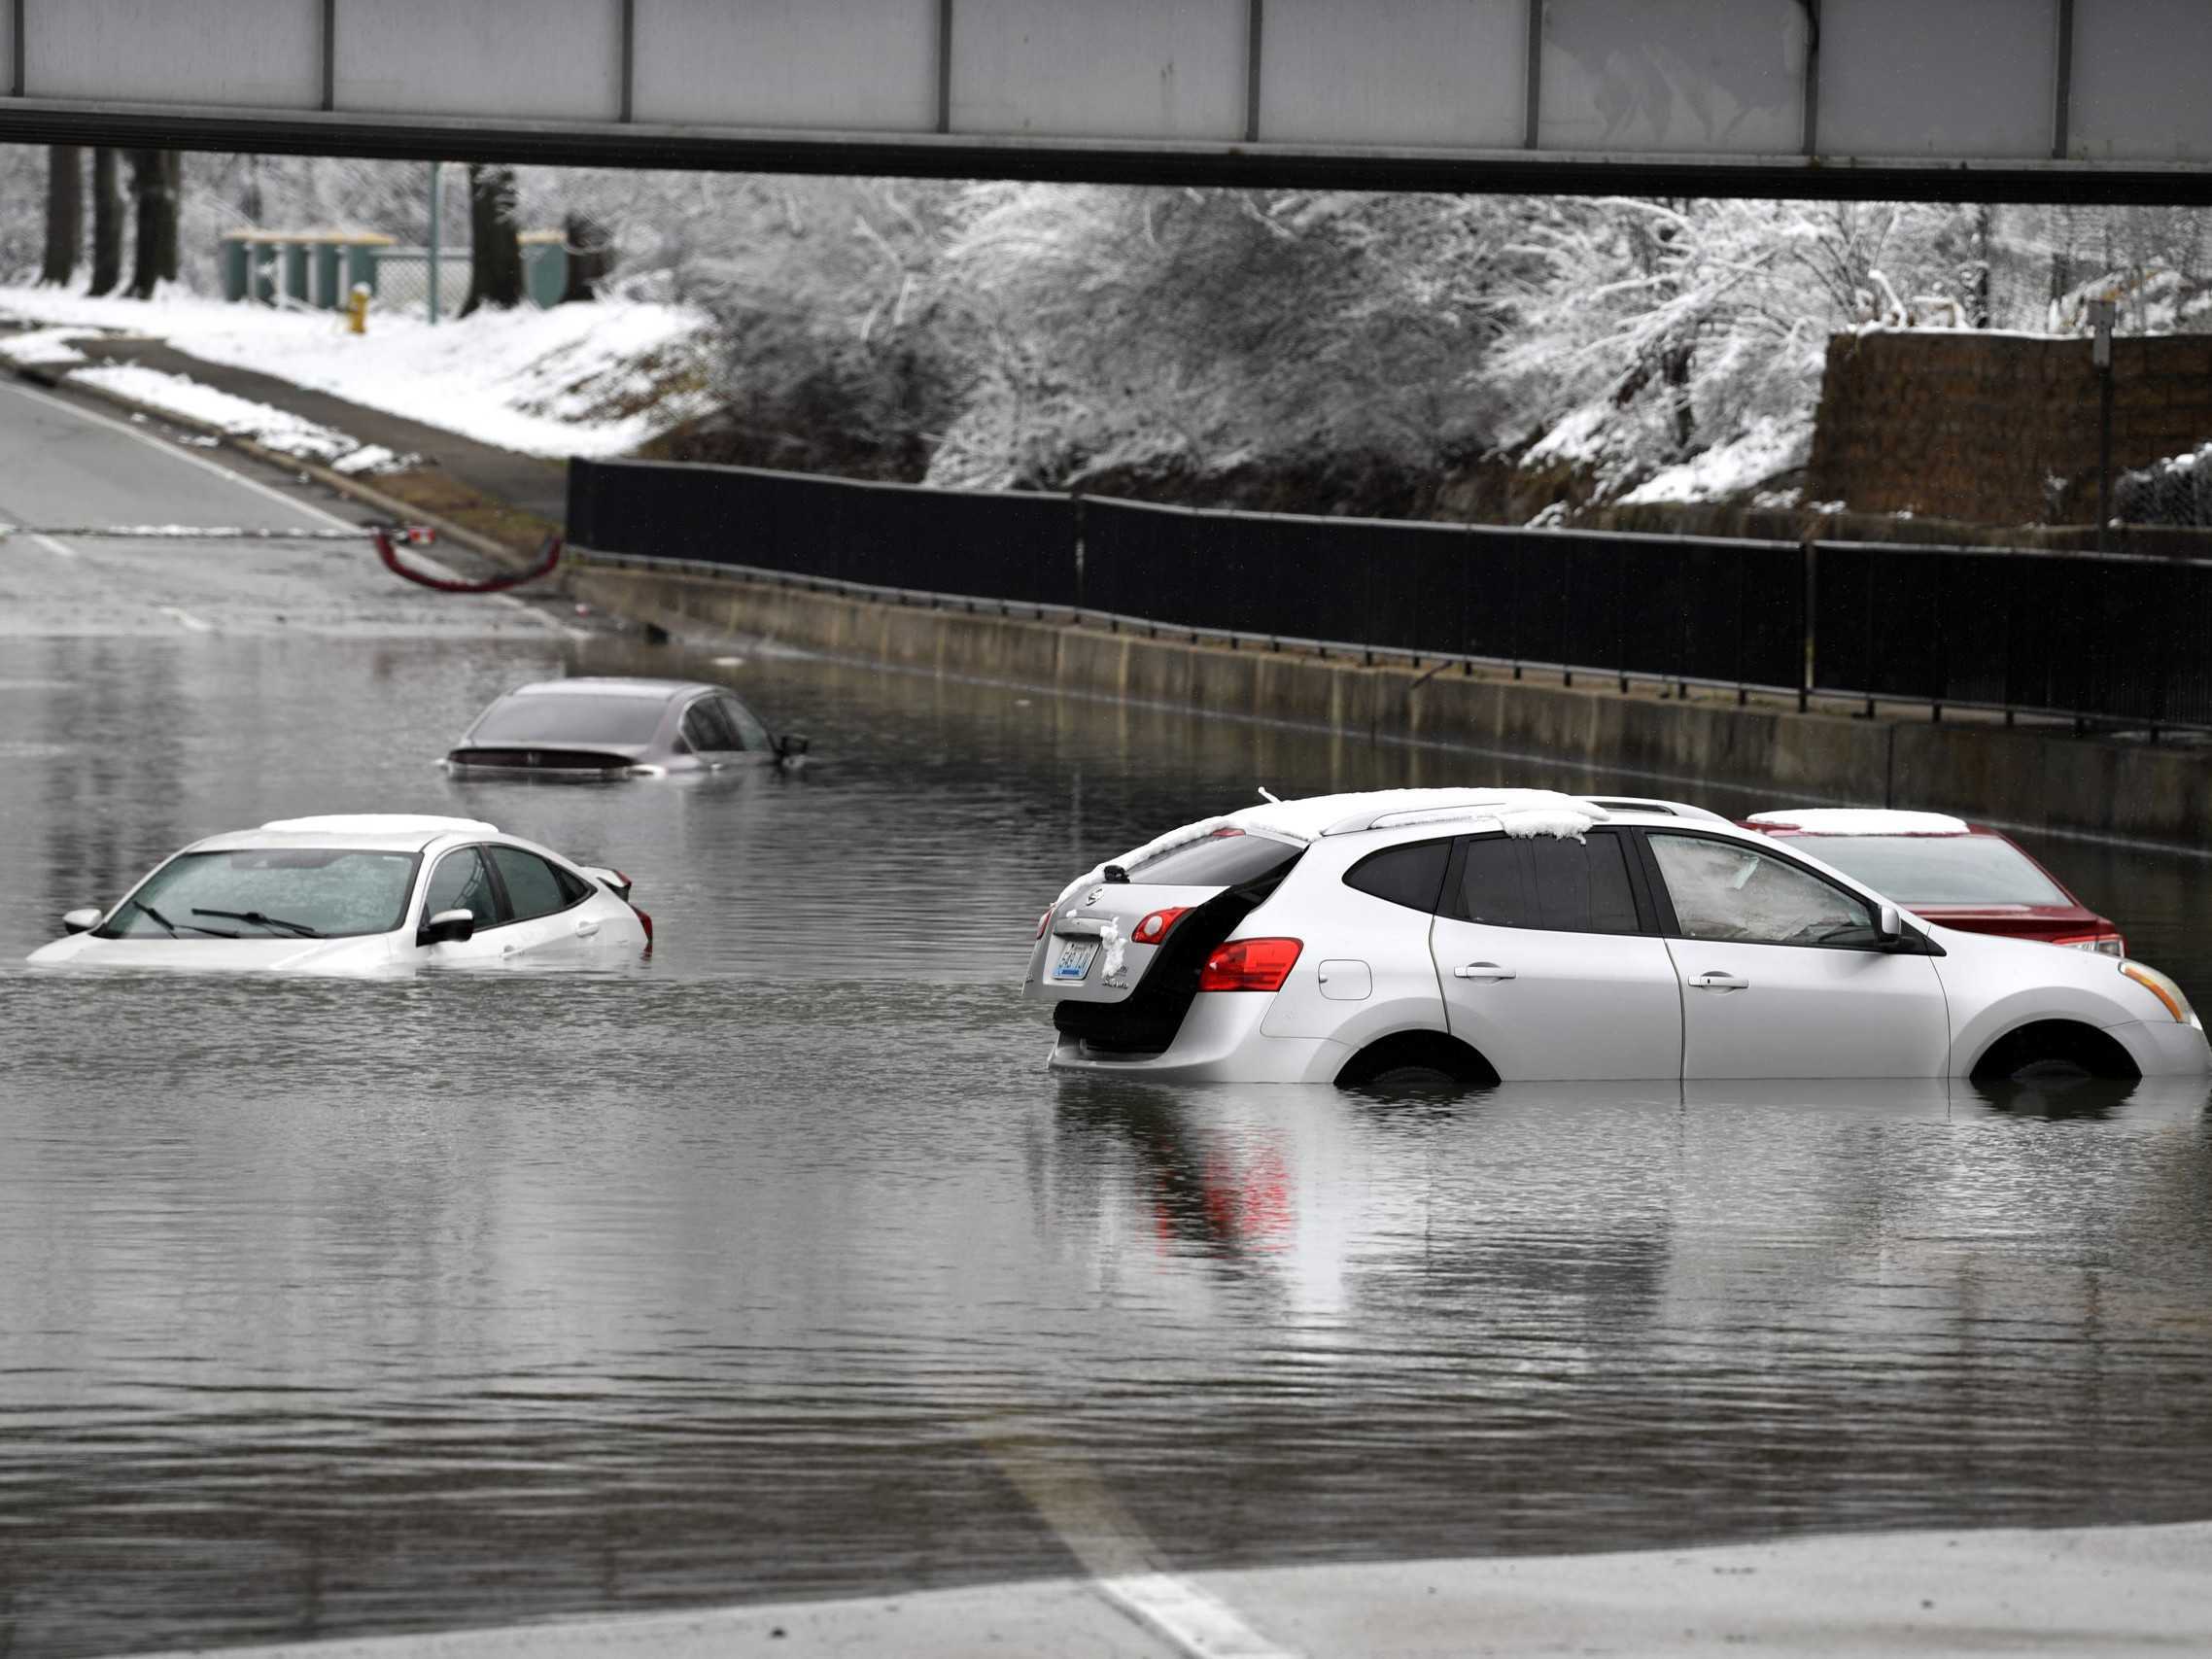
[(2098, 638)]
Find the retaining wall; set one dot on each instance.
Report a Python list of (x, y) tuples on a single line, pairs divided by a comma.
[(2035, 779), (1989, 428)]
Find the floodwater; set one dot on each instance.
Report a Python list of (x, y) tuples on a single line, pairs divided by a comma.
[(780, 1267)]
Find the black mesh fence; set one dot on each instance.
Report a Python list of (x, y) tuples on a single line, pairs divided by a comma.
[(1012, 547), (2114, 638), (2106, 637)]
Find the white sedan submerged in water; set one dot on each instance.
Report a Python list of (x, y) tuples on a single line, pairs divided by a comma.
[(372, 893), (1517, 933)]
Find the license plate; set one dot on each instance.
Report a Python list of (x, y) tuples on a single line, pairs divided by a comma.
[(1072, 960)]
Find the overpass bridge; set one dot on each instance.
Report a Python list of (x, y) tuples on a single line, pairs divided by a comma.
[(2054, 100)]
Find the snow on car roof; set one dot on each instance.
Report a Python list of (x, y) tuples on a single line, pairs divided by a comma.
[(1862, 820), (380, 823), (611, 686), (1516, 812)]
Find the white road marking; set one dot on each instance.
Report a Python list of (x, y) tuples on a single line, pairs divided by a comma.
[(1124, 1564), (52, 546), (1194, 1619), (187, 620), (260, 489)]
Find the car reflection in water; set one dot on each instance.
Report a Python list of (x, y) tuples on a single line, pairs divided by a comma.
[(1319, 1200)]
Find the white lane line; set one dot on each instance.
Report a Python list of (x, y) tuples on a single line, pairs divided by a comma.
[(260, 489), (52, 546), (1124, 1564), (187, 620), (1194, 1619)]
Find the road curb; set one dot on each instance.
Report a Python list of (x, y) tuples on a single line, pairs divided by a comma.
[(329, 477)]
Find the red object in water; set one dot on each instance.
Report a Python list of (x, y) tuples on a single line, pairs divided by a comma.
[(549, 559)]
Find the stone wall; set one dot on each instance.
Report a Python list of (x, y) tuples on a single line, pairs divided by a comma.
[(1977, 426)]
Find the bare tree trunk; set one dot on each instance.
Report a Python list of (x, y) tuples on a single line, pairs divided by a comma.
[(107, 224), (591, 257), (156, 180), (64, 212), (495, 267)]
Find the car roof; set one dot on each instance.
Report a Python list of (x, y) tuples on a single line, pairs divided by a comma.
[(1860, 820), (397, 832), (615, 685)]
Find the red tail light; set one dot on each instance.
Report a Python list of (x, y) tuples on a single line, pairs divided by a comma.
[(1044, 921), (1153, 928), (2103, 943), (647, 923), (1249, 964)]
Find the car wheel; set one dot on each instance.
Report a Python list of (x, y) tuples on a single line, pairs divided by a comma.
[(1412, 1080)]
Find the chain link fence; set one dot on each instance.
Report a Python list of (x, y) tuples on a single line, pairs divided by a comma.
[(403, 281)]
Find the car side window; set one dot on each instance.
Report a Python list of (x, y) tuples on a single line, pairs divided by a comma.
[(751, 734), (707, 729), (1548, 882), (533, 886), (462, 882), (1723, 891), (1409, 876)]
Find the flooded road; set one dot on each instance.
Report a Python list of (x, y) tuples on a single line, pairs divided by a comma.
[(780, 1267)]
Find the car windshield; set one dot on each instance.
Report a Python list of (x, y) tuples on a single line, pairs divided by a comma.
[(270, 892), (569, 717), (1938, 869)]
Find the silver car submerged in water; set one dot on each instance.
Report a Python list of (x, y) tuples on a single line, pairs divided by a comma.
[(596, 728), (368, 893)]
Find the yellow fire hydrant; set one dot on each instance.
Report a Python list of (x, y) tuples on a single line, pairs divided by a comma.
[(356, 309)]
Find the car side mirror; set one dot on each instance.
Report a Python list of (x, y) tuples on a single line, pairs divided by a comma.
[(1888, 926), (83, 919), (790, 745), (447, 926)]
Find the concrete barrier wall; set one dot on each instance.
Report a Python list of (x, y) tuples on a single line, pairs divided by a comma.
[(2034, 779)]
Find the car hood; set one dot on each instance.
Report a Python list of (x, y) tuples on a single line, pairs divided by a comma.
[(362, 955), (2027, 921)]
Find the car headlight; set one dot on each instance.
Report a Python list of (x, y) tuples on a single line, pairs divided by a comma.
[(2161, 988)]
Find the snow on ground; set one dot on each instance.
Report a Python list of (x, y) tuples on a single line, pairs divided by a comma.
[(47, 348), (582, 379), (270, 428), (1733, 468)]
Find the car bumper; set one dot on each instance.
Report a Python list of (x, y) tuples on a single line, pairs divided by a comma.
[(1220, 1042), (2165, 1047)]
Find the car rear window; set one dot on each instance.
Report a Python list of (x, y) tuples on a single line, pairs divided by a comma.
[(1219, 861), (1409, 876), (1937, 868), (564, 718)]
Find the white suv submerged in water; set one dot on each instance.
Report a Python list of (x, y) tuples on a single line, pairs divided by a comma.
[(372, 893), (1493, 935)]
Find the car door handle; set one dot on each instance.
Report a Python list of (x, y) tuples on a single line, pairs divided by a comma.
[(1721, 982), (585, 929), (1482, 971)]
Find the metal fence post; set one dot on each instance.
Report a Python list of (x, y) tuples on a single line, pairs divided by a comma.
[(1807, 641), (1866, 658), (436, 215)]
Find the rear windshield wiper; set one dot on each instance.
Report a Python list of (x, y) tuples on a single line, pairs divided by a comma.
[(170, 926), (254, 917)]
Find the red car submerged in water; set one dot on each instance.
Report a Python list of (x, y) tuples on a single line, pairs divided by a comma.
[(1946, 870)]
